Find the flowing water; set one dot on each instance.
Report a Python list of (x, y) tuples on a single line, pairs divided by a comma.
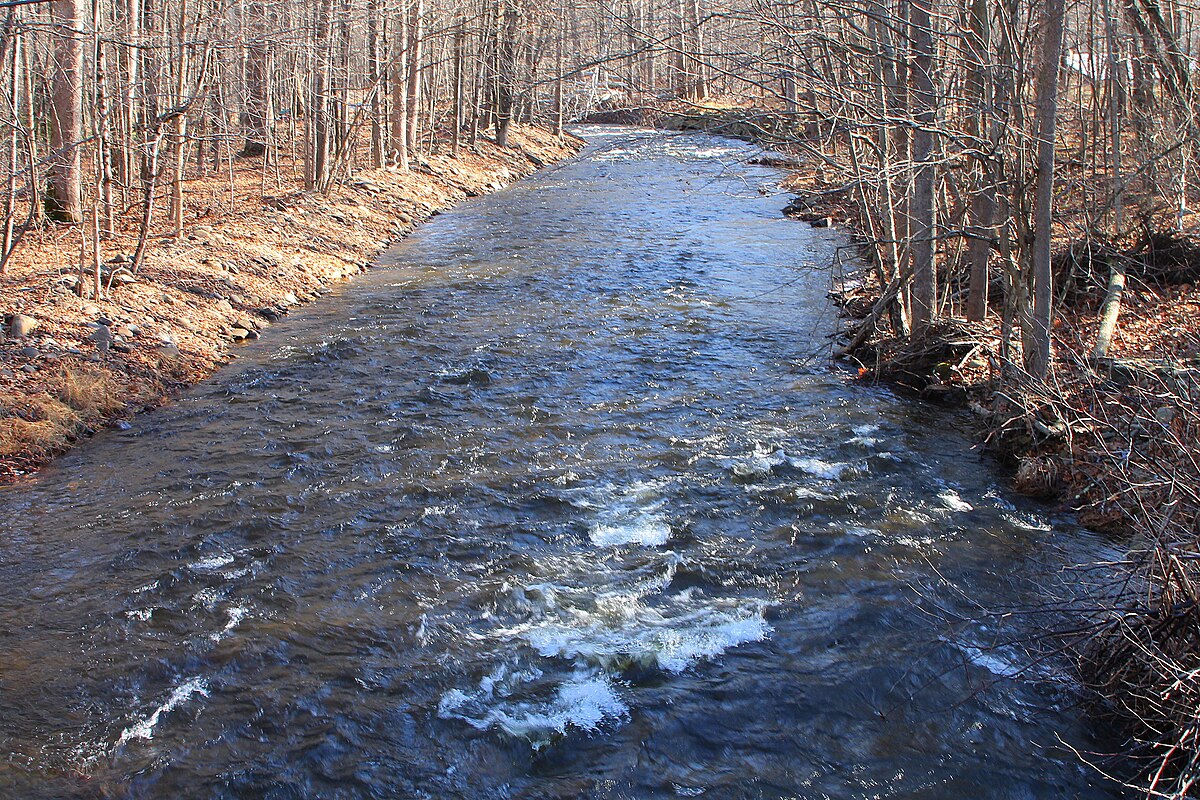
[(561, 501)]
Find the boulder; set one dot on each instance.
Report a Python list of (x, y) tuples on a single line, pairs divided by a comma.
[(103, 338), (21, 325)]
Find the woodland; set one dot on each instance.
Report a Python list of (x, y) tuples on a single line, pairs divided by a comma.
[(1020, 179)]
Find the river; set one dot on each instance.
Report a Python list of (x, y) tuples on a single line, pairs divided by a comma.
[(561, 500)]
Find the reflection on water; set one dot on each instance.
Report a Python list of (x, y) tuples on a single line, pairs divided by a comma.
[(560, 502)]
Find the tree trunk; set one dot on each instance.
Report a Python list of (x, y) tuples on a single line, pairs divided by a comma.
[(1111, 309), (1037, 355), (398, 133), (924, 115), (507, 73), (983, 204), (319, 106), (254, 120), (415, 41), (64, 202)]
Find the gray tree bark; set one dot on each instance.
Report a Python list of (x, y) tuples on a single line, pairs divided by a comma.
[(1037, 353), (65, 198), (924, 114)]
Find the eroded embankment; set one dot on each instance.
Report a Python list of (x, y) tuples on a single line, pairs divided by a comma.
[(70, 364)]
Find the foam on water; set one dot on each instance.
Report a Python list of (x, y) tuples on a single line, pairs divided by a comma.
[(951, 500), (821, 469), (144, 729), (992, 661), (765, 459), (1027, 521), (640, 528), (236, 615), (212, 563), (585, 701), (625, 515), (621, 630), (760, 463)]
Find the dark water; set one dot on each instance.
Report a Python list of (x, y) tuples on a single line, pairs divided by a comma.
[(563, 502)]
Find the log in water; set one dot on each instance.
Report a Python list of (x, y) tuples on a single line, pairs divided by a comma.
[(562, 500)]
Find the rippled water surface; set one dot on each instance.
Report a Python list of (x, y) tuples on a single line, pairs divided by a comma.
[(562, 501)]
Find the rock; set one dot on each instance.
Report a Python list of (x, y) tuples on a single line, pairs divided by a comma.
[(69, 281), (21, 325), (269, 314), (167, 346), (291, 299), (239, 334), (29, 368), (123, 278), (29, 351), (1165, 415), (121, 258), (122, 347), (127, 331), (91, 310), (797, 206), (247, 323), (103, 338), (224, 306)]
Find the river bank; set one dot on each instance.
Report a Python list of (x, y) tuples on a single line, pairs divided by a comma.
[(254, 246)]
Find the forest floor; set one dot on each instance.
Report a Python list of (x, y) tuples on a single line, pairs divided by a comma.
[(254, 246)]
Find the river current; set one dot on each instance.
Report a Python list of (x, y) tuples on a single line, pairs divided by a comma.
[(561, 500)]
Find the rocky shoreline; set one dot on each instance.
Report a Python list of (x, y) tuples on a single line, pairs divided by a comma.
[(71, 364)]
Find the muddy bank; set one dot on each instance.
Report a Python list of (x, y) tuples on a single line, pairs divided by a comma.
[(254, 247)]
